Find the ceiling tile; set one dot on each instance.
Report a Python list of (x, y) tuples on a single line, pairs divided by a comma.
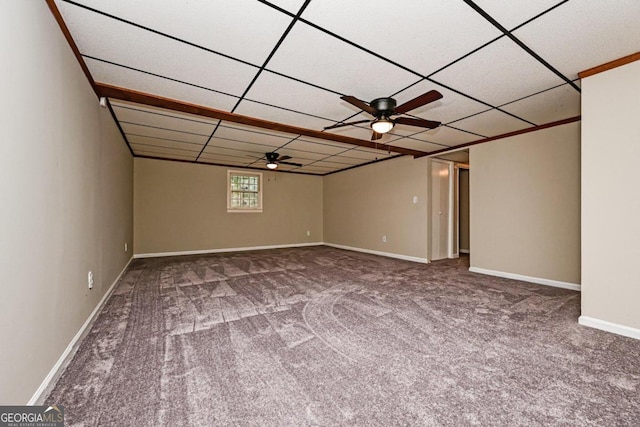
[(236, 158), (367, 154), (249, 155), (306, 50), (223, 160), (554, 104), (282, 168), (452, 106), (217, 142), (329, 165), (164, 119), (499, 73), (259, 130), (163, 143), (445, 135), (582, 34), (491, 123), (512, 13), (283, 92), (296, 156), (143, 150), (154, 132), (233, 132), (234, 23), (431, 33), (397, 32), (141, 82), (326, 142), (278, 115), (316, 147), (163, 112), (292, 6), (296, 159), (415, 144), (115, 41), (347, 161), (303, 157)]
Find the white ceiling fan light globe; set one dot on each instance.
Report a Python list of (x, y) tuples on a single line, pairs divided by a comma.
[(272, 165), (382, 125)]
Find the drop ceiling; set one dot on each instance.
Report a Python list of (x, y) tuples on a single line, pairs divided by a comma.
[(501, 67)]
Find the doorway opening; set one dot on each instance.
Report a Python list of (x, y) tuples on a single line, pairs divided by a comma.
[(449, 225)]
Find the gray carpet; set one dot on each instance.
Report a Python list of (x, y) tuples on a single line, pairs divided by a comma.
[(321, 336)]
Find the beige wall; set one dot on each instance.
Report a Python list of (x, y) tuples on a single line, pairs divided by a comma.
[(66, 186), (363, 204), (525, 204), (611, 196), (183, 207)]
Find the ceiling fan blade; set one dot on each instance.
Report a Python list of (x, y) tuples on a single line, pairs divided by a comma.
[(429, 124), (375, 136), (358, 103), (291, 164), (425, 98), (339, 125), (280, 158)]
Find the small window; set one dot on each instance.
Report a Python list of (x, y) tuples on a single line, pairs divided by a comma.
[(244, 191)]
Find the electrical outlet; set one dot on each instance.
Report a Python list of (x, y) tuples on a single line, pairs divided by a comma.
[(90, 279), (308, 233), (384, 239), (126, 247)]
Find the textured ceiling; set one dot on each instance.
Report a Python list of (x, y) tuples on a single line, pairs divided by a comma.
[(501, 67)]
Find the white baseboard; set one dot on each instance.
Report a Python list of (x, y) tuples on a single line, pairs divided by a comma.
[(57, 368), (614, 328), (215, 251), (538, 280), (387, 254), (464, 251)]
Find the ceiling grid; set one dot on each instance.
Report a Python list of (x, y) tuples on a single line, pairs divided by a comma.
[(279, 68)]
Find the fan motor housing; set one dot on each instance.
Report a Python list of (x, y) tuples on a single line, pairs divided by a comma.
[(272, 157), (384, 106)]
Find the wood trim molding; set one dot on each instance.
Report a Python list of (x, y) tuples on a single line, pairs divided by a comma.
[(72, 44), (198, 110), (610, 65), (504, 135)]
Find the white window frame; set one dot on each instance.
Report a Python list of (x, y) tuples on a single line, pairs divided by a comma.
[(238, 209)]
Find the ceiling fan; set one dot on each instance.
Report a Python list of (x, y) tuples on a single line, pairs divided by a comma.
[(274, 159), (383, 108)]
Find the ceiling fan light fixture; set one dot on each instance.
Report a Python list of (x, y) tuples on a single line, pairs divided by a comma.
[(272, 165), (382, 125)]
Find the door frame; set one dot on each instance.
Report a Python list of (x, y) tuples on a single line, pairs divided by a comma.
[(458, 166), (450, 214)]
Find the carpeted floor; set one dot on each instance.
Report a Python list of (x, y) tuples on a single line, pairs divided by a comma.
[(321, 336)]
